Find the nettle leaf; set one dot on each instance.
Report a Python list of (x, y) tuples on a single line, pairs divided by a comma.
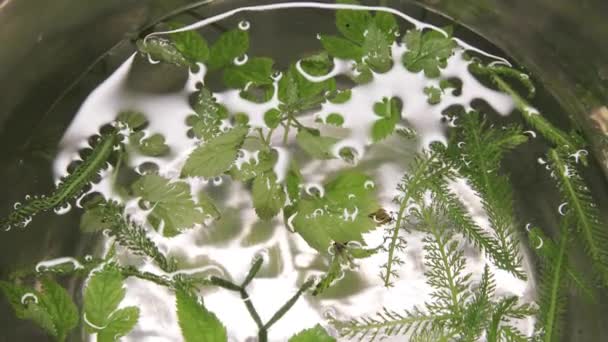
[(216, 156), (253, 168), (341, 48), (153, 145), (173, 209), (256, 71), (196, 322), (390, 115), (209, 115), (377, 49), (341, 215), (317, 65), (272, 118), (427, 51), (296, 93), (353, 23), (227, 47), (52, 308), (103, 293), (132, 119), (268, 195), (190, 43), (161, 49), (314, 145), (314, 334), (121, 323)]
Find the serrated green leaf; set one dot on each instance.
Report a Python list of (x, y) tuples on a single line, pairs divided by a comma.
[(317, 65), (268, 195), (341, 48), (190, 43), (172, 206), (272, 118), (377, 49), (390, 115), (387, 23), (315, 334), (252, 168), (161, 49), (121, 323), (352, 23), (216, 156), (57, 302), (227, 47), (427, 51), (335, 119), (132, 119), (341, 215), (209, 114), (362, 253), (316, 146), (153, 145), (196, 322), (256, 71), (103, 293), (296, 93)]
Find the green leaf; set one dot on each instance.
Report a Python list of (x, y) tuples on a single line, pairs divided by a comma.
[(190, 43), (272, 118), (433, 95), (427, 51), (172, 206), (57, 302), (103, 293), (334, 119), (216, 156), (208, 206), (317, 65), (296, 93), (341, 215), (163, 50), (390, 115), (387, 23), (209, 115), (256, 71), (341, 48), (253, 168), (121, 323), (377, 49), (352, 23), (132, 119), (315, 334), (316, 146), (153, 145), (227, 47), (330, 276), (341, 96), (268, 195), (196, 322)]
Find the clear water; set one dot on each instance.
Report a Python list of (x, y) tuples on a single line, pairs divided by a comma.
[(226, 247)]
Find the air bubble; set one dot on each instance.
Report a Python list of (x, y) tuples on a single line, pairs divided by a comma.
[(532, 134), (29, 298), (240, 60), (528, 227), (199, 270), (88, 258), (315, 190), (48, 264), (369, 184), (541, 161), (276, 75), (561, 209), (244, 25), (290, 223), (217, 181), (460, 144), (348, 216), (16, 205), (64, 209)]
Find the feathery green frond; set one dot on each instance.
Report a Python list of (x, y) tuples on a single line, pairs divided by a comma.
[(478, 310), (453, 209), (529, 113), (426, 170), (69, 187), (502, 311), (391, 323), (547, 251), (478, 154), (552, 301), (580, 206)]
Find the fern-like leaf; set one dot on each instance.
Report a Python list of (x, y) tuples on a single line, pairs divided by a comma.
[(478, 310), (582, 208), (478, 154)]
